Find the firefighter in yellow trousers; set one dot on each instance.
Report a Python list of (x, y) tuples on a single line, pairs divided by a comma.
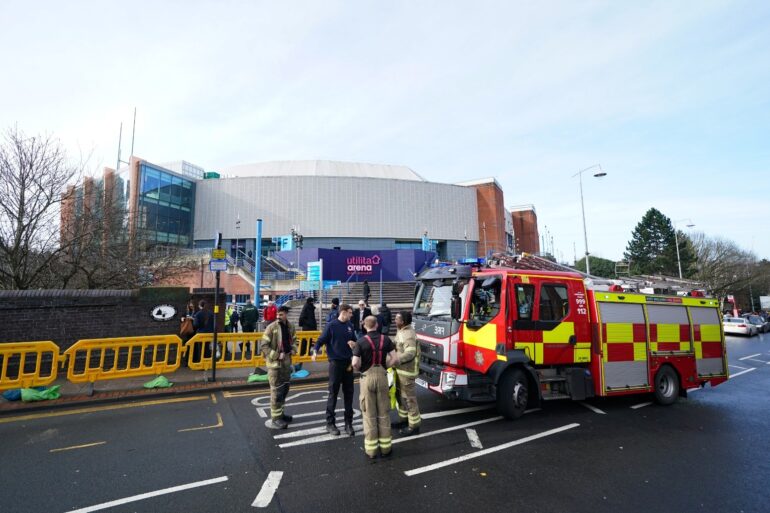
[(279, 342), (406, 372), (372, 354)]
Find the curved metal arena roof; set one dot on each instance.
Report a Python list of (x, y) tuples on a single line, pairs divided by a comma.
[(322, 168)]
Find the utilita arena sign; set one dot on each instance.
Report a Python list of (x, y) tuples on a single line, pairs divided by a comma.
[(362, 264)]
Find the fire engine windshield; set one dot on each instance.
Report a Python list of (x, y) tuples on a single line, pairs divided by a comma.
[(434, 298)]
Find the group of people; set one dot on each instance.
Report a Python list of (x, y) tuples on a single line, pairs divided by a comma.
[(365, 348)]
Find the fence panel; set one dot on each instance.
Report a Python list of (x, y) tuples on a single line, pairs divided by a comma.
[(28, 364), (91, 360), (242, 350)]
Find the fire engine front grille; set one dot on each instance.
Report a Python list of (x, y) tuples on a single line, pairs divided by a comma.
[(431, 362)]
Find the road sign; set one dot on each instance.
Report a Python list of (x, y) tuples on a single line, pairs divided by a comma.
[(309, 285), (218, 254), (313, 271), (330, 284), (217, 265)]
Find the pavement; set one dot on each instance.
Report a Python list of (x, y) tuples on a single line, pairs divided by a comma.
[(185, 381)]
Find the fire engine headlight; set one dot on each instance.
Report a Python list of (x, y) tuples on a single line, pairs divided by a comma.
[(448, 382)]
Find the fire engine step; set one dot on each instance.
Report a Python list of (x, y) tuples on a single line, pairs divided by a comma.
[(551, 397)]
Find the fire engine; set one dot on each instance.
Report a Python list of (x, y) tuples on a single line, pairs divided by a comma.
[(520, 337)]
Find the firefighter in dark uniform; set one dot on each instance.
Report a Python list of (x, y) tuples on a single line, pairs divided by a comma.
[(279, 342), (372, 354)]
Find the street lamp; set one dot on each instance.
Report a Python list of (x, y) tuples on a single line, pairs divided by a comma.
[(676, 241), (579, 174)]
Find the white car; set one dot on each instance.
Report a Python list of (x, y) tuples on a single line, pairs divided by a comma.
[(739, 326)]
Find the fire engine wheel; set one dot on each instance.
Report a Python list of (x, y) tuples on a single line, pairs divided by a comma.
[(666, 386), (512, 394)]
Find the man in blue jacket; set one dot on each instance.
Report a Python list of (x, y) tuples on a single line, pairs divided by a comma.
[(335, 337)]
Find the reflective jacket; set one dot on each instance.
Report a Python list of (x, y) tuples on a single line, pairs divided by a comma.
[(270, 346), (408, 351)]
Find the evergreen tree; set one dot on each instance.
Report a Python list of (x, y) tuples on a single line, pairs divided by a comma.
[(600, 267), (652, 248)]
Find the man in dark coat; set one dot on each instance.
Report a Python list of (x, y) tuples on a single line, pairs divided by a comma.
[(307, 320), (359, 314)]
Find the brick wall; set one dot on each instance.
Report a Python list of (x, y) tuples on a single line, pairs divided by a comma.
[(526, 236), (65, 316), (491, 212)]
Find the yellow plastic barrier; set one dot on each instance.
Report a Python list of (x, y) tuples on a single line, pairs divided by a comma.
[(20, 356), (237, 350), (95, 359)]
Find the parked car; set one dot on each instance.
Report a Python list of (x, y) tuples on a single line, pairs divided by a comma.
[(762, 325), (739, 326)]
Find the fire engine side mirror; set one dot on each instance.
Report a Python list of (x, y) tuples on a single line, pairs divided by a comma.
[(456, 307)]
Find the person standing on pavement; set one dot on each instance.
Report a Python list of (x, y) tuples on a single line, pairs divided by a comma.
[(307, 320), (235, 317), (372, 354), (270, 312), (336, 337), (387, 318), (406, 372), (358, 318), (279, 342), (335, 311), (249, 317)]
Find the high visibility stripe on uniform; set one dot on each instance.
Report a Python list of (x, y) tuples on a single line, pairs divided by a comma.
[(414, 419), (385, 443)]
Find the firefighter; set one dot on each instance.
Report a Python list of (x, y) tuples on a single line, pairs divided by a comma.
[(279, 342), (372, 354), (406, 372)]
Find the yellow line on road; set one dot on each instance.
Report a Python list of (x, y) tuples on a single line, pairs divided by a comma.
[(77, 447), (266, 391), (219, 424), (94, 409), (213, 398)]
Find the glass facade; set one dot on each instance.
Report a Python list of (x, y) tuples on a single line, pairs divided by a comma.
[(166, 203)]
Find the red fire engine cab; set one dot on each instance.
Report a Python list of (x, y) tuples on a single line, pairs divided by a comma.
[(519, 337)]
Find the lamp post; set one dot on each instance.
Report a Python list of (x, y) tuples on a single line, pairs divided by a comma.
[(579, 174), (676, 241), (237, 237)]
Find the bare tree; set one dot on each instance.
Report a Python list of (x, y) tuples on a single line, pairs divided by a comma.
[(723, 266), (34, 172)]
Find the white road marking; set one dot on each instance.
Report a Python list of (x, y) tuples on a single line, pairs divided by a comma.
[(640, 405), (474, 438), (312, 431), (456, 412), (737, 366), (445, 430), (316, 439), (148, 495), (269, 487), (749, 356), (593, 409), (742, 372), (263, 409), (755, 360), (484, 452), (265, 399)]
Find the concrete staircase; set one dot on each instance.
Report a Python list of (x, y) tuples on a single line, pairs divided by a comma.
[(397, 295)]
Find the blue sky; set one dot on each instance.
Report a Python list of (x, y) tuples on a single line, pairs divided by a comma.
[(671, 98)]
